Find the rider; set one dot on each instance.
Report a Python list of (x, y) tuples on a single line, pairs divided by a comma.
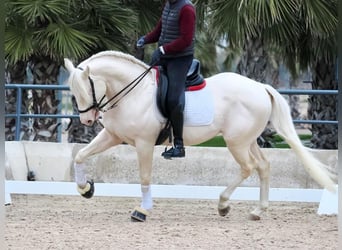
[(175, 33)]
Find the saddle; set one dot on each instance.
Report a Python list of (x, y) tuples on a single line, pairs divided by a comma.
[(194, 81)]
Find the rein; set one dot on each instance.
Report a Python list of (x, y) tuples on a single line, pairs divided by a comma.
[(132, 84), (129, 88)]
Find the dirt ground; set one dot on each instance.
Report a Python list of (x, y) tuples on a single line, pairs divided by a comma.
[(72, 222)]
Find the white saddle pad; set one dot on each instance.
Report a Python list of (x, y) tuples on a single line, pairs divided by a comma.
[(199, 108)]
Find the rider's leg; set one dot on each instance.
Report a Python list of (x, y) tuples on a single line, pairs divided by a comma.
[(177, 120), (177, 69)]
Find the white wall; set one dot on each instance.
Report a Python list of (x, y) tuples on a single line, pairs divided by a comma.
[(201, 166)]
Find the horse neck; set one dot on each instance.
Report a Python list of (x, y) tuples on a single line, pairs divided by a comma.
[(118, 73)]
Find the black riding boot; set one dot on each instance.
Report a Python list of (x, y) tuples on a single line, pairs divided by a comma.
[(177, 121)]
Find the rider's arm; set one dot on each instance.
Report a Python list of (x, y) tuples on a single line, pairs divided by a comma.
[(153, 36)]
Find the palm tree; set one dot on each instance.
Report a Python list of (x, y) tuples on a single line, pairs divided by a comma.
[(317, 49), (302, 33), (41, 33)]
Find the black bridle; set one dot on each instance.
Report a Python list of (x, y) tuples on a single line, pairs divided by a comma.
[(95, 105), (99, 106)]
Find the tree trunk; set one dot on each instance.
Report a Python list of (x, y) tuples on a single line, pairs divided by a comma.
[(44, 71), (16, 74), (255, 64), (323, 107)]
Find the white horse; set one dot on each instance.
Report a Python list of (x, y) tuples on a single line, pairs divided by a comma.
[(242, 109)]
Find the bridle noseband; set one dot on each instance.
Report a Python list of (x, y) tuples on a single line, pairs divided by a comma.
[(99, 106)]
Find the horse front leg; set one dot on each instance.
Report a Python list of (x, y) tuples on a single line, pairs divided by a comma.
[(145, 159), (100, 143)]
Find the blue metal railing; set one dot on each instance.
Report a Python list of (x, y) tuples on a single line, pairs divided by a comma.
[(310, 92), (19, 87), (18, 115)]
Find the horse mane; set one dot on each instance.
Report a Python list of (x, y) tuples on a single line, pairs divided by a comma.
[(117, 54)]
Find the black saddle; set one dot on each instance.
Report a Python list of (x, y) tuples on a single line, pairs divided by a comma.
[(194, 76)]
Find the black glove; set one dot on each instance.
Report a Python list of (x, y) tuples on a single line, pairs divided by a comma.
[(141, 42), (156, 56)]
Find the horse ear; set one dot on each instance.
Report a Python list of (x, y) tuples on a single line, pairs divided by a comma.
[(86, 72), (68, 65)]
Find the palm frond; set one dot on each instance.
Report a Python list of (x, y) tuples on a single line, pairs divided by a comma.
[(18, 44), (59, 40), (38, 10), (320, 17)]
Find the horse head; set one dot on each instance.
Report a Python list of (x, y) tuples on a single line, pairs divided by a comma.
[(89, 91)]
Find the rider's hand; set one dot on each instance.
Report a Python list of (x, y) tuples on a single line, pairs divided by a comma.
[(156, 55), (141, 42)]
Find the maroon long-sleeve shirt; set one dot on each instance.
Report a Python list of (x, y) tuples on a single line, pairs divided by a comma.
[(187, 19)]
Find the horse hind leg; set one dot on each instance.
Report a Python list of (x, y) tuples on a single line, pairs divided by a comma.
[(263, 169), (246, 162), (248, 158)]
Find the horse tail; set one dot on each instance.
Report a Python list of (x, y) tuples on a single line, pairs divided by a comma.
[(282, 122)]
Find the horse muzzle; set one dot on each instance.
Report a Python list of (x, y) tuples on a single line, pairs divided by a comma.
[(89, 118)]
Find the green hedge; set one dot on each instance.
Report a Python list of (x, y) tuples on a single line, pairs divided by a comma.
[(276, 141)]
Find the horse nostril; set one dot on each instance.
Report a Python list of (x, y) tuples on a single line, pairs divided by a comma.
[(90, 122)]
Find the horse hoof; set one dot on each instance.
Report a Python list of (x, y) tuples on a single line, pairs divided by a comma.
[(224, 211), (253, 217), (139, 215), (88, 190)]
